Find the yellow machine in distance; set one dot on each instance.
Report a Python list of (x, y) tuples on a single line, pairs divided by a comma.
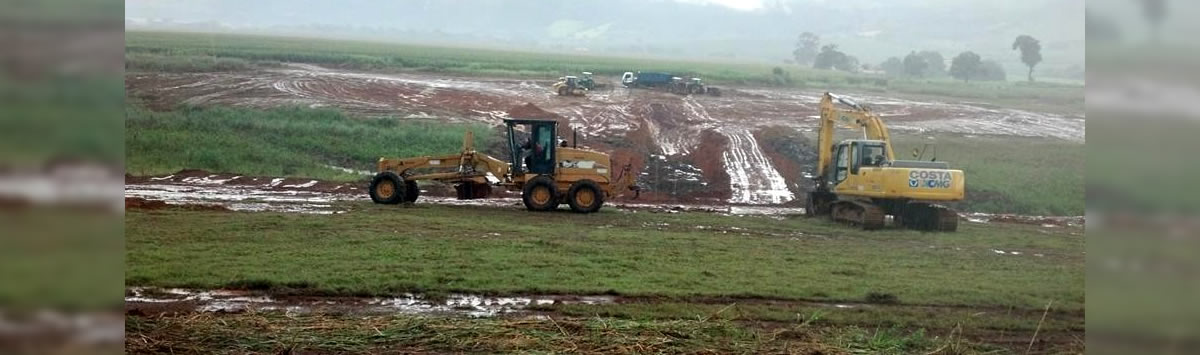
[(570, 86), (860, 181), (546, 173)]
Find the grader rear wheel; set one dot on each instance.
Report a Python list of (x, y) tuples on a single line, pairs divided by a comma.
[(585, 197)]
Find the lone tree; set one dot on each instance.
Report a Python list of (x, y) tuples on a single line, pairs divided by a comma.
[(965, 65), (1155, 12), (806, 48), (915, 65), (829, 57), (1031, 52)]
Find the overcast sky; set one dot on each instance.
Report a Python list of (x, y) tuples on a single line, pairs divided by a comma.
[(743, 30)]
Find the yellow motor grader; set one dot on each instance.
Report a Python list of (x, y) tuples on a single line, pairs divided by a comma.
[(547, 174)]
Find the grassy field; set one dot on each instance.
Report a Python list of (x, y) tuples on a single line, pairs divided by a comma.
[(383, 250), (290, 141), (60, 259), (66, 117), (407, 334), (152, 51), (694, 281)]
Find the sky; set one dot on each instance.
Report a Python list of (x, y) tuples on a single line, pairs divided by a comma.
[(743, 5), (762, 31)]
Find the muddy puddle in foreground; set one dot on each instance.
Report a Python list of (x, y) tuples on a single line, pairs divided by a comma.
[(150, 300)]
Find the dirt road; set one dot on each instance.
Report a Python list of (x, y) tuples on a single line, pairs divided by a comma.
[(651, 122)]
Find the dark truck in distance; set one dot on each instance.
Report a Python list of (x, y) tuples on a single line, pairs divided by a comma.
[(669, 82), (646, 79)]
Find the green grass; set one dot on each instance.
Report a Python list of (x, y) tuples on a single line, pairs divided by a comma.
[(60, 259), (289, 141), (189, 63), (1011, 174), (76, 117), (145, 49), (277, 333), (385, 249), (826, 315)]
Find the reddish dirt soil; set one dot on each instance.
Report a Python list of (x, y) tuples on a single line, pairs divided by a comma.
[(144, 204)]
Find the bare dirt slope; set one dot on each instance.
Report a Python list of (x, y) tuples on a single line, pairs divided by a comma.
[(666, 131)]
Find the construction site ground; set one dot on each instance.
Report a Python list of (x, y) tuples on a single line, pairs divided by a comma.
[(225, 261), (703, 148)]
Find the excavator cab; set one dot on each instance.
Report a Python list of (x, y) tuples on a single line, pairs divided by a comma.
[(851, 156)]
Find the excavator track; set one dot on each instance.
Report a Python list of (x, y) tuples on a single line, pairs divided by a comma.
[(930, 217), (867, 216), (947, 219)]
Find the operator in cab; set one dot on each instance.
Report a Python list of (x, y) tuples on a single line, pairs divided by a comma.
[(530, 148)]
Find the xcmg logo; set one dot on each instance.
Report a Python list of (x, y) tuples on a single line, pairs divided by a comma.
[(931, 179)]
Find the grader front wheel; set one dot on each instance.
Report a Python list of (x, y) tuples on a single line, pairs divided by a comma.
[(387, 188)]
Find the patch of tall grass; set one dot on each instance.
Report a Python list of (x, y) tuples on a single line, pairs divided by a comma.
[(289, 141)]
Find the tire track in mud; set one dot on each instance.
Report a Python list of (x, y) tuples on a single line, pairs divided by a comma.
[(752, 177)]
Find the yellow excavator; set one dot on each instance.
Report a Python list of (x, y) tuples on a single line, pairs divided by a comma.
[(860, 181), (546, 172)]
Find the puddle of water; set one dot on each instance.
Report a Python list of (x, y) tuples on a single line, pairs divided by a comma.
[(469, 305), (244, 198)]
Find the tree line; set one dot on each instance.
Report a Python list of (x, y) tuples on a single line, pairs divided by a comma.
[(966, 66)]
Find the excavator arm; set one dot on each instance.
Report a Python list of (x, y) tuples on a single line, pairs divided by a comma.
[(857, 117)]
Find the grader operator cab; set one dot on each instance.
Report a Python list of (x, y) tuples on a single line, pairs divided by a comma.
[(542, 168)]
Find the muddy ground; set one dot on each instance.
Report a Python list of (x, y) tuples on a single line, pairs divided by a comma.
[(202, 190), (657, 132)]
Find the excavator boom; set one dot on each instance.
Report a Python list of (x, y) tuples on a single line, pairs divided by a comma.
[(858, 117)]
